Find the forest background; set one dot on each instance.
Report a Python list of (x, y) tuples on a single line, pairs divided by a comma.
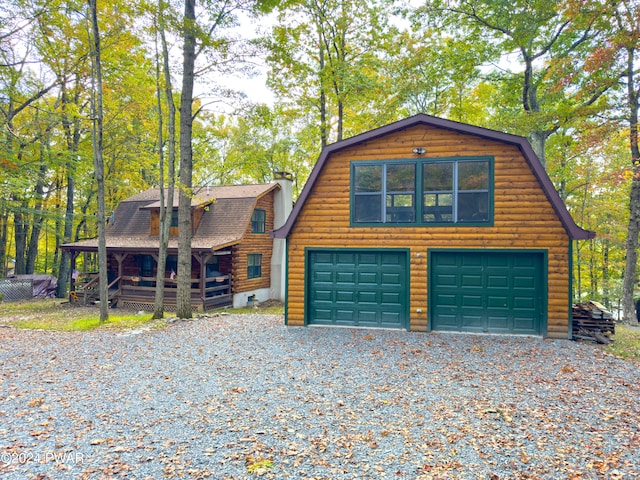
[(563, 74)]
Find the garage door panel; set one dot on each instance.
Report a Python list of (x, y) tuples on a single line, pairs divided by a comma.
[(472, 322), (323, 258), (497, 281), (500, 292), (499, 261), (494, 302), (345, 277), (345, 296), (446, 279), (367, 318), (391, 279), (472, 280), (471, 301), (523, 325), (368, 259), (368, 278), (344, 315), (527, 282), (499, 323), (524, 303), (323, 295), (367, 297), (391, 298), (324, 277), (469, 261), (448, 322), (390, 319), (323, 314), (444, 300), (342, 259), (393, 259), (367, 288)]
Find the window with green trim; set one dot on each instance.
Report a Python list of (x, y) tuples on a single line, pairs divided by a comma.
[(254, 265), (258, 221), (456, 190), (384, 193)]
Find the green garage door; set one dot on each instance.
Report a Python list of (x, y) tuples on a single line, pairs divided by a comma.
[(487, 292), (357, 288)]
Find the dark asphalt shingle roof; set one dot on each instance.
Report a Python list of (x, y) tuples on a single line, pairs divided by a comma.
[(223, 223)]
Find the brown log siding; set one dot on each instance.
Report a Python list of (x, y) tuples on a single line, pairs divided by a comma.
[(523, 219), (254, 243)]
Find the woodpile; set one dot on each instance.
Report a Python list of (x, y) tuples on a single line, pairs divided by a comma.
[(593, 322)]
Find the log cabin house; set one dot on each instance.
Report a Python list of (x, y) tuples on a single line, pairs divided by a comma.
[(431, 225), (234, 260)]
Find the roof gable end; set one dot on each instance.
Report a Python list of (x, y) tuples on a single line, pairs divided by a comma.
[(573, 230)]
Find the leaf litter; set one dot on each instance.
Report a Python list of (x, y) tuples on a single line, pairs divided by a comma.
[(243, 396)]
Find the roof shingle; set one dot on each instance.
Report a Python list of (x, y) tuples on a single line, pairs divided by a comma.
[(223, 223)]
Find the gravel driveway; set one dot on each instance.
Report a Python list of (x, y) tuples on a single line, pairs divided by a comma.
[(244, 396)]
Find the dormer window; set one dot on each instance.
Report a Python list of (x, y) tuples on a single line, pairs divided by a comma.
[(174, 218), (259, 221)]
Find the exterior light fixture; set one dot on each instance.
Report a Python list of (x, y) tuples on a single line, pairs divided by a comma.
[(419, 150)]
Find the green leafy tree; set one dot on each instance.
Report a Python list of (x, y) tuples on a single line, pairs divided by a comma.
[(206, 38), (547, 49), (616, 62), (324, 56)]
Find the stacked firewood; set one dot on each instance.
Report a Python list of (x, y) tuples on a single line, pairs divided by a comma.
[(593, 322)]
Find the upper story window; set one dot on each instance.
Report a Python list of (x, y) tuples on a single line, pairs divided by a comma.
[(259, 221), (384, 193), (450, 191)]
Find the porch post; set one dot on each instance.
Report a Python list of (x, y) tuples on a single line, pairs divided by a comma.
[(120, 258), (72, 280), (199, 257)]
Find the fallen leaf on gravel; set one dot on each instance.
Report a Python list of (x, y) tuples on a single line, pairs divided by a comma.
[(35, 402), (258, 466)]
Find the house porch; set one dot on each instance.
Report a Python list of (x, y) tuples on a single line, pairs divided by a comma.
[(133, 284)]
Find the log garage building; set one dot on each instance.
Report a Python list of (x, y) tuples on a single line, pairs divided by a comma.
[(429, 224)]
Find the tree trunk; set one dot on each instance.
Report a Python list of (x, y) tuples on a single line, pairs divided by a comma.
[(72, 133), (166, 211), (538, 140), (324, 128), (606, 296), (65, 259), (340, 119), (631, 247), (38, 217), (183, 300), (629, 280), (99, 162), (20, 236), (4, 221)]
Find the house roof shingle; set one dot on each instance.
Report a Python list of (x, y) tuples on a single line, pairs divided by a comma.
[(223, 223)]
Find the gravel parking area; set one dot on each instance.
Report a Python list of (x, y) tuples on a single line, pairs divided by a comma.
[(234, 397)]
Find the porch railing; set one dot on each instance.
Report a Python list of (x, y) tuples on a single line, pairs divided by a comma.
[(88, 289), (140, 291)]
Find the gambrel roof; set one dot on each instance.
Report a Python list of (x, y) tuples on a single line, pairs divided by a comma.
[(574, 231), (226, 216)]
